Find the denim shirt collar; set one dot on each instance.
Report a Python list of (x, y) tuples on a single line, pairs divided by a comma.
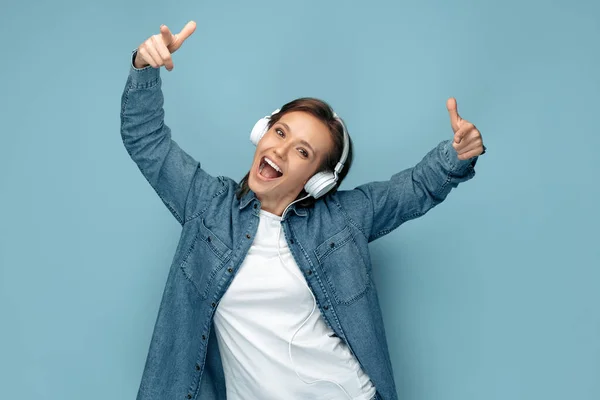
[(250, 197)]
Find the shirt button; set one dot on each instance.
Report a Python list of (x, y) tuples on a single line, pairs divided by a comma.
[(255, 206), (189, 396), (203, 337), (197, 367), (214, 305), (208, 239), (248, 236), (292, 241), (230, 270), (332, 245), (309, 272), (326, 307)]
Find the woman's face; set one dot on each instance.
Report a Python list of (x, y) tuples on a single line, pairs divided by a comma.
[(286, 157)]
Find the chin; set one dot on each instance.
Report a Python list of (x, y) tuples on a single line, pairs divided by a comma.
[(255, 185)]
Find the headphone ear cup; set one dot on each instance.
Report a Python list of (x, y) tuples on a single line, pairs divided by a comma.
[(320, 183), (259, 130)]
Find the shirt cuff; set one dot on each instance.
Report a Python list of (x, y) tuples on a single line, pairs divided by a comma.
[(143, 77)]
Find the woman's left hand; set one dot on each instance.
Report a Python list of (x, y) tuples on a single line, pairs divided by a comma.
[(467, 138)]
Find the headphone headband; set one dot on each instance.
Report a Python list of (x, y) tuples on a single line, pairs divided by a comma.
[(340, 164)]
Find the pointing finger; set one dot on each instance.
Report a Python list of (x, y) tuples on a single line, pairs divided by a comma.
[(166, 35), (165, 54)]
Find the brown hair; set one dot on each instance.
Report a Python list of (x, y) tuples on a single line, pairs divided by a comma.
[(324, 113)]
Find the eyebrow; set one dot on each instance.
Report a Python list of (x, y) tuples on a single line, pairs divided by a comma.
[(304, 142)]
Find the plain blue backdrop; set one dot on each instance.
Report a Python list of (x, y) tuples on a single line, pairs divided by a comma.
[(493, 295)]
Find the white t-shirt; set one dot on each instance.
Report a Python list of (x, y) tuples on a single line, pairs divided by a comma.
[(267, 304)]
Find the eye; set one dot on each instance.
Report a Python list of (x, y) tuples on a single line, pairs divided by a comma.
[(279, 132), (303, 152)]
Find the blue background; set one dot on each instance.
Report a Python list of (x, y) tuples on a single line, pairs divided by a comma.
[(492, 295)]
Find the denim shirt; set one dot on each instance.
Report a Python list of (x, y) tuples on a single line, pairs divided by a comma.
[(329, 242)]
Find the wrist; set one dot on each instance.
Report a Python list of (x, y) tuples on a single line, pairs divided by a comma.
[(137, 62)]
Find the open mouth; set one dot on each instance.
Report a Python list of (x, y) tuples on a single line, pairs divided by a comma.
[(267, 169)]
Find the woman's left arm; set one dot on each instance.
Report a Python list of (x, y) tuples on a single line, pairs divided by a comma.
[(380, 207)]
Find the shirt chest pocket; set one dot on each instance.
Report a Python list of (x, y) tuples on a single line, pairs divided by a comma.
[(343, 267), (205, 257)]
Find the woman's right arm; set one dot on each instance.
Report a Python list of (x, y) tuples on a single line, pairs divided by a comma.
[(175, 176)]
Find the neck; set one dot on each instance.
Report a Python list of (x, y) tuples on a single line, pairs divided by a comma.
[(274, 206), (278, 206)]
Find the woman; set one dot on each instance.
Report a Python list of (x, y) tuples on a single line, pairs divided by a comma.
[(270, 293)]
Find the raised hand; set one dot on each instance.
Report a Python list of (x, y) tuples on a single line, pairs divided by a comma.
[(468, 142), (157, 49)]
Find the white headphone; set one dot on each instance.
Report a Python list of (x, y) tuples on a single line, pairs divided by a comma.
[(320, 183)]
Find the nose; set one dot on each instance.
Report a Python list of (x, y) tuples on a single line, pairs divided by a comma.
[(280, 151)]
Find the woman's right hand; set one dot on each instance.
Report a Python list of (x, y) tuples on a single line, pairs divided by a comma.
[(157, 49)]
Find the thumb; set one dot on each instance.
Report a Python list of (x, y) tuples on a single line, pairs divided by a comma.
[(453, 112), (180, 37), (186, 32), (174, 42)]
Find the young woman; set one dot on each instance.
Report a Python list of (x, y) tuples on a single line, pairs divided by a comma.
[(270, 293)]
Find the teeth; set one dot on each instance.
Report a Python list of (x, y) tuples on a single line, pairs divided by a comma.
[(272, 164)]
